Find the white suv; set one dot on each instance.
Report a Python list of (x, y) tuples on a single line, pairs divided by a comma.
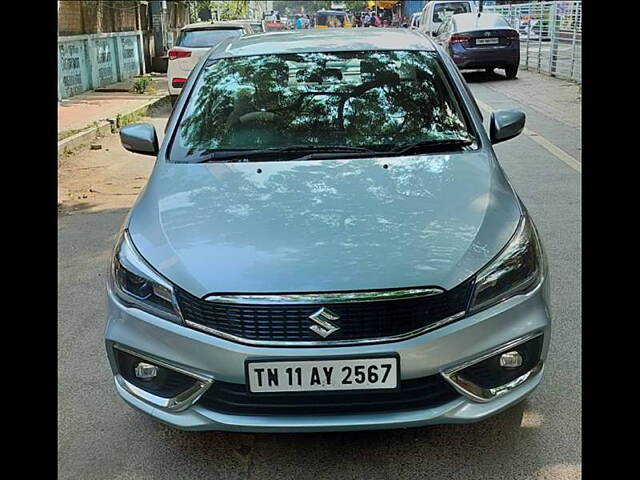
[(193, 43)]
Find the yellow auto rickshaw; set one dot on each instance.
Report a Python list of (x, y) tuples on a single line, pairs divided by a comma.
[(332, 19)]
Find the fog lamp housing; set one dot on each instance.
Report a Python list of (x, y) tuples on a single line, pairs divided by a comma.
[(146, 371), (156, 381), (511, 359), (500, 370), (153, 378)]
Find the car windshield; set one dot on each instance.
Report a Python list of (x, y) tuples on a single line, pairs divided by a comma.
[(205, 38), (444, 10), (373, 100), (471, 21)]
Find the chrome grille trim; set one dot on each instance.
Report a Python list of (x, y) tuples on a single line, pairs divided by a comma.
[(323, 298)]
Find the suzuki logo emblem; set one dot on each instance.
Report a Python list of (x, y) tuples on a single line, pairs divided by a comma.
[(323, 318)]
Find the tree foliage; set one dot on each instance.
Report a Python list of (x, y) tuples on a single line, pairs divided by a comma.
[(229, 9)]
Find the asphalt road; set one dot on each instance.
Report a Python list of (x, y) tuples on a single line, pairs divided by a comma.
[(100, 437)]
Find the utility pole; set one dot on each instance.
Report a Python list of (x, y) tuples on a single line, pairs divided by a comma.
[(158, 22)]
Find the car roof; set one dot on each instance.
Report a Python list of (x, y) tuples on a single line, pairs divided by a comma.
[(476, 14), (214, 25), (323, 40), (451, 1)]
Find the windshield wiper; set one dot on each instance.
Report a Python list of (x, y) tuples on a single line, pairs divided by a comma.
[(433, 145), (245, 155), (310, 152)]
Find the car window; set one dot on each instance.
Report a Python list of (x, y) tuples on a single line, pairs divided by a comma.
[(372, 99), (473, 21), (205, 38), (442, 11)]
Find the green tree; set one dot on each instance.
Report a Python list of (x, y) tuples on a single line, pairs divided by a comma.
[(234, 9), (356, 6), (229, 9)]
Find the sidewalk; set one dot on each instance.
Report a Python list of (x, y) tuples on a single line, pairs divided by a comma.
[(551, 96), (88, 109)]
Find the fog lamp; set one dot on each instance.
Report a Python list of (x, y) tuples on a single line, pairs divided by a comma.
[(511, 359), (146, 371)]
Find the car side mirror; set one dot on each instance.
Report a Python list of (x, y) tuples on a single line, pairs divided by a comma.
[(506, 124), (140, 138)]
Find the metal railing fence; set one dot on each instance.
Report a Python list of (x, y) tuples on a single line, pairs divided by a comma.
[(550, 36)]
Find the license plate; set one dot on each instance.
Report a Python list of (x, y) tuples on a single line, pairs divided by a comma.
[(323, 375), (486, 41)]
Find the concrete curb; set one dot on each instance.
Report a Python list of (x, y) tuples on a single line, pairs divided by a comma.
[(85, 137)]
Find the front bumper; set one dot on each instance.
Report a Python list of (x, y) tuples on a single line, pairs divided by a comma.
[(433, 353)]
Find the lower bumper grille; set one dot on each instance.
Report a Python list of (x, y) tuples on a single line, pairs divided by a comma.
[(415, 394)]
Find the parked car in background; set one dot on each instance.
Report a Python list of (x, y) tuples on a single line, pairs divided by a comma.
[(435, 13), (484, 40), (194, 41), (327, 241), (415, 21)]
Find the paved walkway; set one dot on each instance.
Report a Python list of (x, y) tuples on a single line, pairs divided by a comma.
[(81, 111), (551, 96)]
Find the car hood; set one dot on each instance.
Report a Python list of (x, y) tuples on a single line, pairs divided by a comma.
[(328, 225)]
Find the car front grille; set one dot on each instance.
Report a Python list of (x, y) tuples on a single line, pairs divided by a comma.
[(414, 394), (358, 322)]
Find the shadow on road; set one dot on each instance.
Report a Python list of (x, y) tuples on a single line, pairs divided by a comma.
[(480, 76), (160, 109), (445, 451)]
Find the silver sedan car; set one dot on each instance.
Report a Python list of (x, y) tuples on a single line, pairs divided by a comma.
[(326, 242)]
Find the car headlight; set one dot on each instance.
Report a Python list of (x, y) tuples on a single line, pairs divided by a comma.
[(517, 269), (138, 285)]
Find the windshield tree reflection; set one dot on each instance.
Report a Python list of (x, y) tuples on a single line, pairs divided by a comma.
[(376, 100)]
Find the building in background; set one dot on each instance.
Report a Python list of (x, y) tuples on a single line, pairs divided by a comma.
[(409, 7), (257, 8), (101, 42)]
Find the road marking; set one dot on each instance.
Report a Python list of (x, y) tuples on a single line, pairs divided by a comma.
[(544, 143)]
